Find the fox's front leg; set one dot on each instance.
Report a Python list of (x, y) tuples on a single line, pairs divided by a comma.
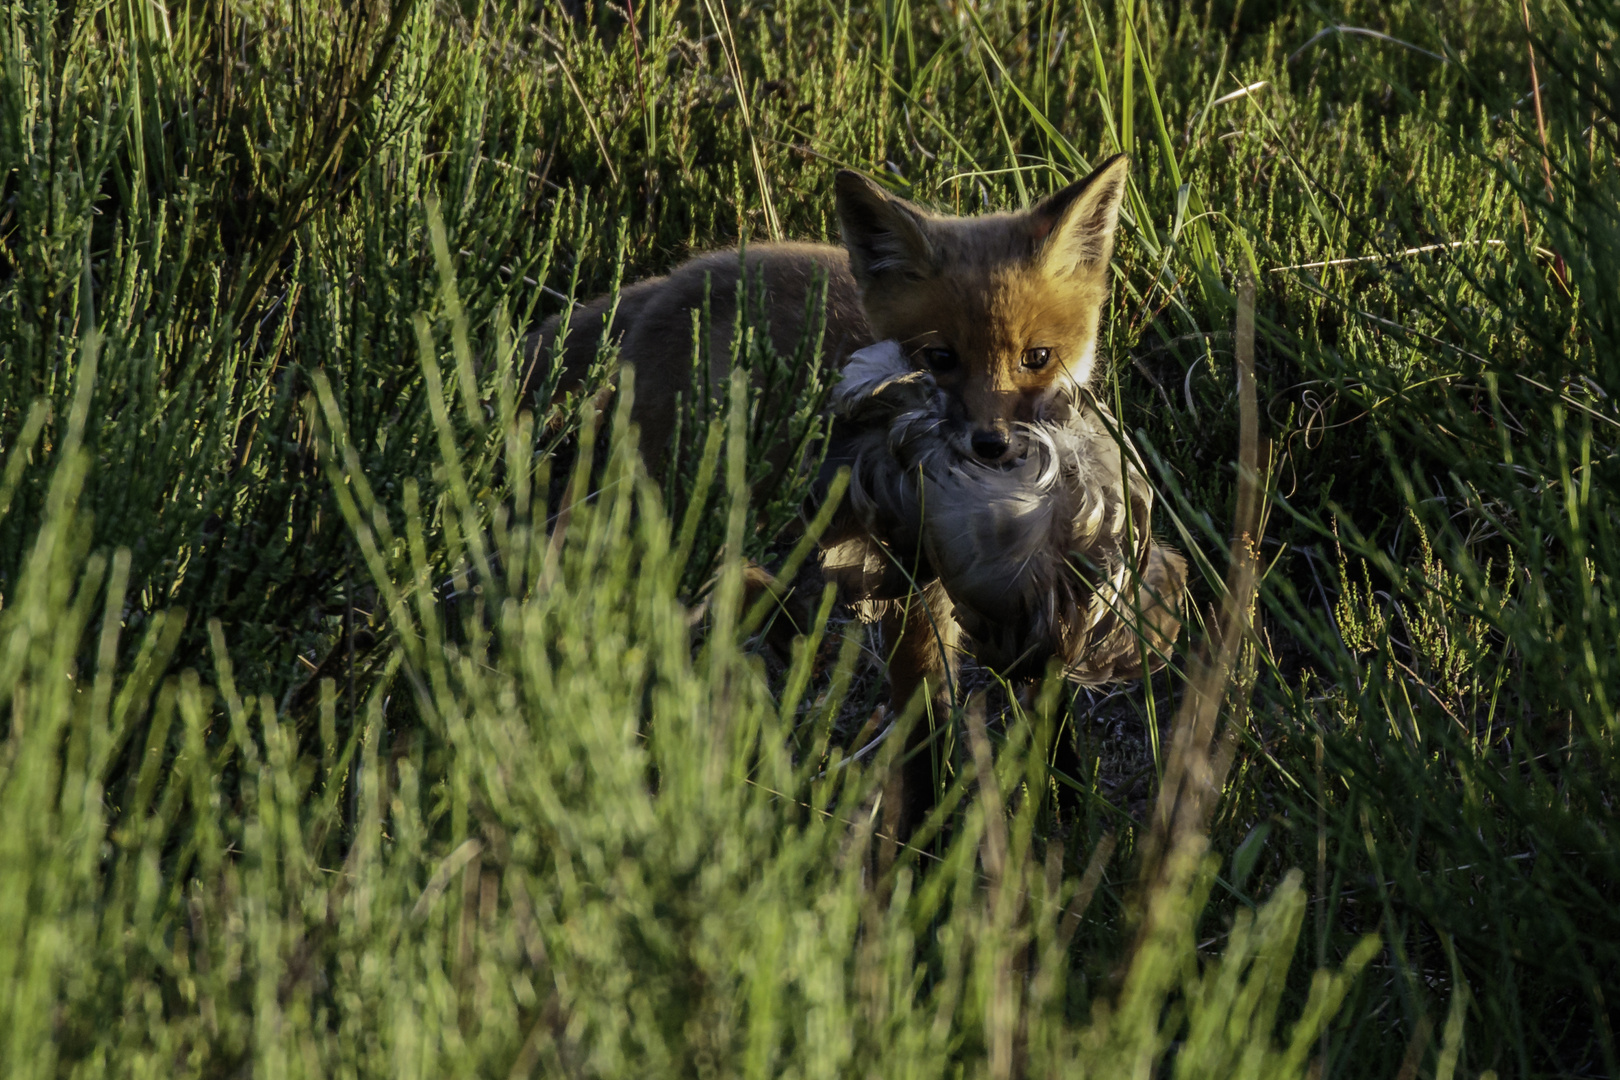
[(922, 639)]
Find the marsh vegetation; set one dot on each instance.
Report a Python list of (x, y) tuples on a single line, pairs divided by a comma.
[(342, 732)]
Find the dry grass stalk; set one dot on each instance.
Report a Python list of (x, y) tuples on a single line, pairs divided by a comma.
[(1541, 130), (1199, 755)]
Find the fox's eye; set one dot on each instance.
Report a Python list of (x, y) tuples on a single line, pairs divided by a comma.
[(939, 359), (1035, 359)]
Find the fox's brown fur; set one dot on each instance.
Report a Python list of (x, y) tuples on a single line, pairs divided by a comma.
[(653, 325), (1003, 308), (989, 289)]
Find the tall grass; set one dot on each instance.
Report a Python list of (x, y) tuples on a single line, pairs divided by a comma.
[(343, 733), (592, 852)]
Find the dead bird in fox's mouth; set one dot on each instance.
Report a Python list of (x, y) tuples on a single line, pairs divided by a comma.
[(1047, 554)]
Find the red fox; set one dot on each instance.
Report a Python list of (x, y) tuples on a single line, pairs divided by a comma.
[(1002, 309)]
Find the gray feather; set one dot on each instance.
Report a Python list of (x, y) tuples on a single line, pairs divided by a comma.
[(1050, 556)]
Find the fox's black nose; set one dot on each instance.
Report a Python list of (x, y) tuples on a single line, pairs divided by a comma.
[(989, 445)]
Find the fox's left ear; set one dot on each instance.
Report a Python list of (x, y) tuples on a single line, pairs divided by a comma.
[(1073, 230)]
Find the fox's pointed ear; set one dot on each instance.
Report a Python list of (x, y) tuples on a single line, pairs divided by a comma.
[(886, 236), (1074, 229)]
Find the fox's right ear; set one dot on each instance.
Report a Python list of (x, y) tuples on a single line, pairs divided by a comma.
[(885, 236)]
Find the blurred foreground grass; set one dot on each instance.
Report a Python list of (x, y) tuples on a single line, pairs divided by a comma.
[(330, 746)]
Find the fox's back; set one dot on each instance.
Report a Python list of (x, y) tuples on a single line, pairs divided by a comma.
[(654, 319)]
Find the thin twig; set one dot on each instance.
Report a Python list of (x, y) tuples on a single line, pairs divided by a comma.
[(590, 121), (1238, 93), (1541, 130), (1362, 32), (1535, 94), (1425, 249), (728, 48)]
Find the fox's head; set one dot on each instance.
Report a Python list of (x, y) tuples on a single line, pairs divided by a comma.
[(1003, 309)]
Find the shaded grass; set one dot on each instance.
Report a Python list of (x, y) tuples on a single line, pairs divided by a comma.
[(230, 208)]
